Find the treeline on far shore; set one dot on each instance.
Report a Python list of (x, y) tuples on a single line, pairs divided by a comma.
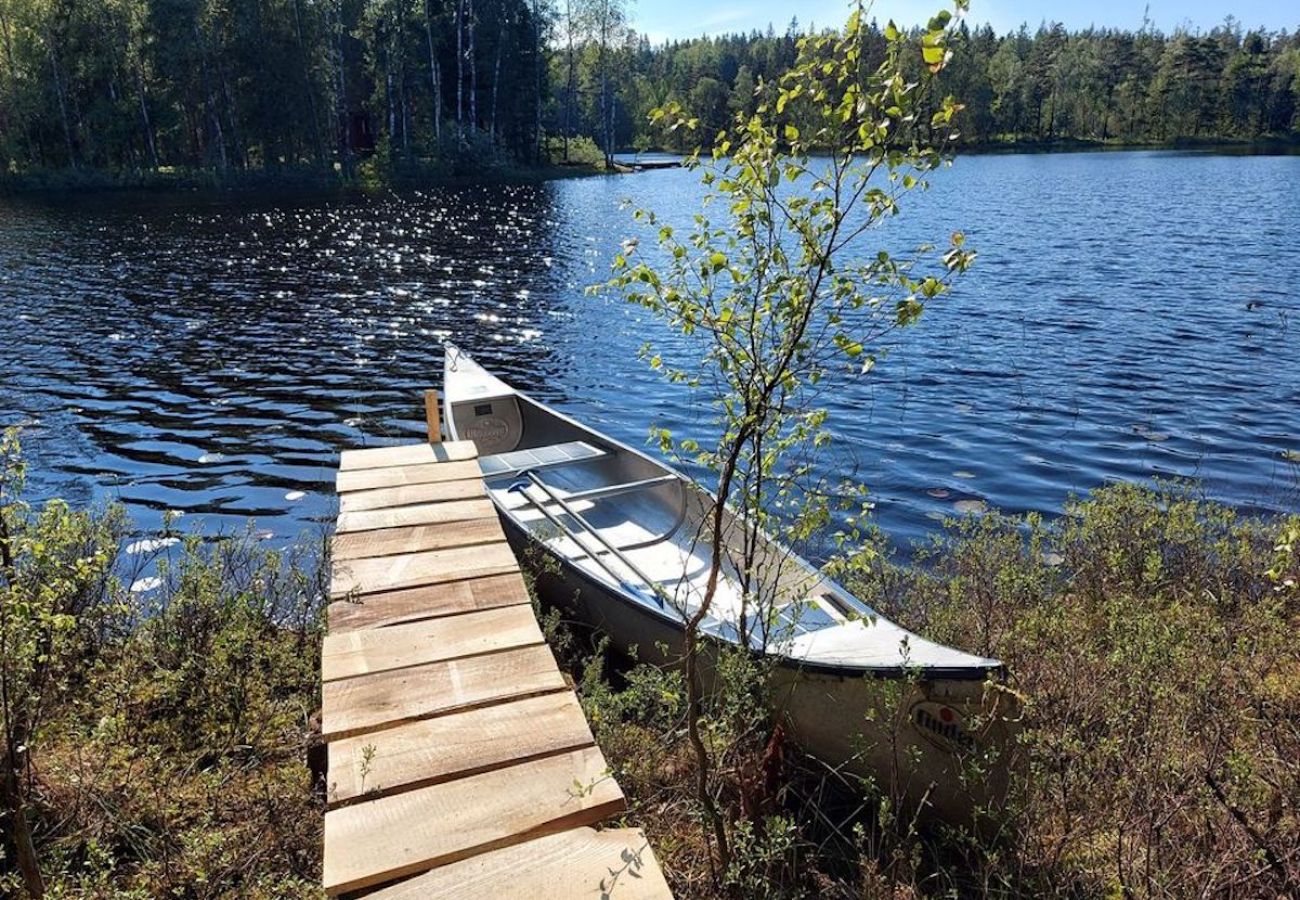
[(192, 92), (1030, 88)]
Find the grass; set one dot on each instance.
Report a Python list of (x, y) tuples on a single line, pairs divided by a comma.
[(1151, 633)]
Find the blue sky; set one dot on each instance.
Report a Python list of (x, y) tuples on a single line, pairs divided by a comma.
[(663, 19)]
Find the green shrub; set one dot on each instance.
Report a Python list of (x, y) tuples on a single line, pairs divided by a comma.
[(164, 728)]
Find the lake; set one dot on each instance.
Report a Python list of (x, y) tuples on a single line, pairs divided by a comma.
[(1130, 315)]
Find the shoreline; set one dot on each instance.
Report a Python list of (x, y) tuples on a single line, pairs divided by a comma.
[(63, 182), (305, 179)]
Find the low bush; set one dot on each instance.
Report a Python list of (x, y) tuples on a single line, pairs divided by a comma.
[(158, 706), (1152, 636), (161, 704)]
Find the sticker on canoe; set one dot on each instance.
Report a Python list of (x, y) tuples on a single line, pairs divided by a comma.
[(942, 725), (489, 432)]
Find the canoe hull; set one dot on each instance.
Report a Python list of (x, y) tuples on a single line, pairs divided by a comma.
[(933, 743)]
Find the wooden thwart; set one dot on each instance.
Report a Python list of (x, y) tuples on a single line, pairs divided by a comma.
[(356, 653), (355, 705), (388, 837), (412, 494), (386, 573), (578, 864), (427, 602), (418, 754)]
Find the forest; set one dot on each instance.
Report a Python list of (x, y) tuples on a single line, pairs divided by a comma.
[(464, 85)]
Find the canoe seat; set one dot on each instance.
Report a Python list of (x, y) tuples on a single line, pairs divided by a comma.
[(547, 457)]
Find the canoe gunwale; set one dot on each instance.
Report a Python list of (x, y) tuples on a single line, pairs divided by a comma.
[(615, 594), (846, 672)]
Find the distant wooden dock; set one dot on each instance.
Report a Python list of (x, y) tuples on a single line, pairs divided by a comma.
[(460, 762)]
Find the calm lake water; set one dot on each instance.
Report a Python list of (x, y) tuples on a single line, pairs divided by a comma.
[(1130, 315)]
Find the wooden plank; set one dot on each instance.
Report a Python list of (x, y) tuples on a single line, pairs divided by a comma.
[(578, 864), (430, 601), (395, 476), (418, 754), (356, 705), (407, 455), (370, 575), (380, 840), (412, 494), (434, 640), (424, 514), (414, 538)]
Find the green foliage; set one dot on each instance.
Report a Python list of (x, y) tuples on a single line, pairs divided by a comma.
[(1028, 86), (774, 293), (158, 733), (1162, 683), (774, 287), (1160, 752), (581, 151), (128, 86)]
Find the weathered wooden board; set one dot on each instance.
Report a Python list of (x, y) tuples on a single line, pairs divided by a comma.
[(430, 601), (424, 514), (412, 494), (396, 476), (356, 705), (380, 840), (578, 864), (414, 538), (407, 455), (418, 754), (370, 650), (385, 573)]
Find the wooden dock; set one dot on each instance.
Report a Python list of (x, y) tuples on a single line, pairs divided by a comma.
[(460, 762)]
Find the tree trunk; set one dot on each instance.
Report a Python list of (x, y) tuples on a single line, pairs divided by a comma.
[(388, 97), (1105, 113), (63, 103), (537, 67), (20, 831), (145, 122), (344, 132), (306, 83), (435, 77), (473, 66), (9, 58), (228, 93), (571, 86), (602, 62), (214, 120), (460, 66), (496, 75), (404, 117)]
